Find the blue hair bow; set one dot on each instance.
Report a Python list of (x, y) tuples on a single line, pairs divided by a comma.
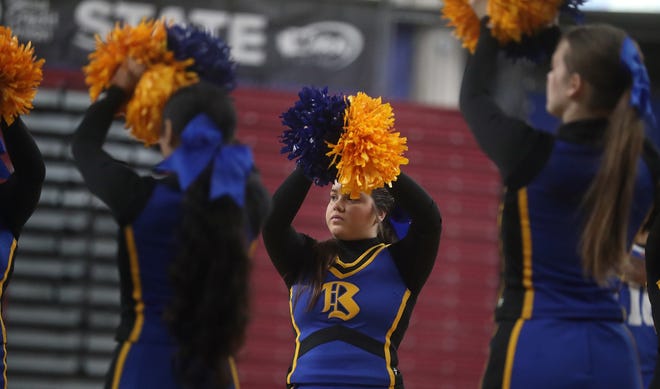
[(201, 144), (640, 93)]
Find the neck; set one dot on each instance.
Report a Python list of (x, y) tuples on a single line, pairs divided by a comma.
[(576, 112)]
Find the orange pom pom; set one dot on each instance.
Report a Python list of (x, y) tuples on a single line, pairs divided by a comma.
[(144, 111), (146, 43), (369, 150), (460, 15), (511, 19), (20, 75)]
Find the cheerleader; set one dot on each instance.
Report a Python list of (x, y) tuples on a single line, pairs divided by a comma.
[(22, 169), (572, 203), (185, 235), (351, 296)]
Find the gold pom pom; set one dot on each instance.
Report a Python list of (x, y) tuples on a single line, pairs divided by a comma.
[(146, 43), (145, 109), (369, 150), (511, 19), (20, 75), (460, 15)]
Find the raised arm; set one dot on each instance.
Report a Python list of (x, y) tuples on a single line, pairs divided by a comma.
[(287, 248), (20, 193), (506, 140), (117, 185), (415, 254)]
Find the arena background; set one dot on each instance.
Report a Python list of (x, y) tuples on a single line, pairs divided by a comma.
[(62, 303)]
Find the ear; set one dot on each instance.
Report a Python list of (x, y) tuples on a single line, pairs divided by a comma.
[(168, 133), (576, 86), (380, 215)]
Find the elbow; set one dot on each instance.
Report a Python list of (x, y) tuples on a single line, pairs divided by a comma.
[(79, 149), (40, 171), (464, 99), (436, 217), (269, 228)]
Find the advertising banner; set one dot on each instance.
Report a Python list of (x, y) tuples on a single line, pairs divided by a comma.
[(275, 43)]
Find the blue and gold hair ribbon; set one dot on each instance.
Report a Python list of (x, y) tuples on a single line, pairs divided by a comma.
[(201, 145), (640, 92)]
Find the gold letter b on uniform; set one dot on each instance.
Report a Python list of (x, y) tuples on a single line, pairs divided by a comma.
[(339, 300)]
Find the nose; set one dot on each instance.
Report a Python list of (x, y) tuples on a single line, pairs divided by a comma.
[(339, 204)]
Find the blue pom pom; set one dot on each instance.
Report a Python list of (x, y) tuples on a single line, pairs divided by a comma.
[(537, 48), (211, 54), (572, 9), (315, 119)]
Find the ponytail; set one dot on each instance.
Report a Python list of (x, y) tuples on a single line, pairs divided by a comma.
[(209, 275), (210, 272), (605, 57), (609, 199)]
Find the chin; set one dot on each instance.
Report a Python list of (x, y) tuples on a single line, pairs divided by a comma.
[(336, 233)]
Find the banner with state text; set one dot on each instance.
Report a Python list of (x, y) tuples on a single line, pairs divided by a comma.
[(276, 43)]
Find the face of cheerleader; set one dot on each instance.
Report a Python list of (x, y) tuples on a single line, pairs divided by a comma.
[(352, 219), (558, 83)]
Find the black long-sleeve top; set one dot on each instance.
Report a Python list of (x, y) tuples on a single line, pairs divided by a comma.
[(116, 184), (414, 255), (20, 194)]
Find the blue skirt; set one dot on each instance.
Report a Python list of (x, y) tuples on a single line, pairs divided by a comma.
[(567, 354)]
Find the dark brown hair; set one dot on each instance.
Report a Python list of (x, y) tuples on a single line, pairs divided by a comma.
[(594, 54), (209, 312)]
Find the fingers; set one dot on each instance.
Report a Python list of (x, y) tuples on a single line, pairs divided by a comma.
[(134, 67), (127, 75)]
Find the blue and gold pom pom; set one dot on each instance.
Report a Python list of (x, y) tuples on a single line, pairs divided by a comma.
[(174, 57)]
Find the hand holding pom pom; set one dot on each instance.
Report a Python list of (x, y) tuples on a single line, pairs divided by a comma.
[(127, 75)]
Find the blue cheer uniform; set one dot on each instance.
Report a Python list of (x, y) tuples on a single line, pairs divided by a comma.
[(350, 336), (556, 328), (149, 213)]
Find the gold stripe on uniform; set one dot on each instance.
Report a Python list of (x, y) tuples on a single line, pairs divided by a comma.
[(373, 252), (295, 327), (2, 322), (234, 373), (388, 337), (139, 306), (528, 299)]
